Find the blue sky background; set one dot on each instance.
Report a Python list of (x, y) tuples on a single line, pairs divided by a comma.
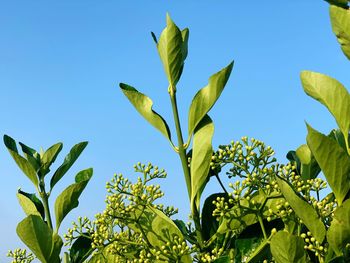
[(61, 62)]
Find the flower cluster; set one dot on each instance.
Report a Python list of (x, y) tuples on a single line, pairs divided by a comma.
[(20, 256)]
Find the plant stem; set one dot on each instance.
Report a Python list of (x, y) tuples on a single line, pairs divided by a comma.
[(45, 199), (181, 149), (262, 226), (184, 162)]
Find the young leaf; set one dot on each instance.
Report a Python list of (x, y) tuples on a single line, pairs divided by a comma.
[(201, 157), (303, 210), (143, 105), (31, 155), (37, 236), (49, 157), (333, 160), (338, 234), (286, 247), (69, 160), (68, 199), (170, 49), (340, 18), (28, 206), (330, 93), (22, 163), (204, 100), (309, 166), (35, 200)]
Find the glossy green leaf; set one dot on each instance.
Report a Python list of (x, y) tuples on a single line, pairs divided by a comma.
[(69, 160), (209, 223), (201, 157), (35, 200), (37, 236), (56, 249), (31, 155), (171, 51), (330, 93), (309, 167), (204, 100), (338, 234), (143, 105), (303, 210), (27, 205), (68, 199), (286, 247), (81, 249), (340, 18), (333, 160), (49, 157), (22, 163)]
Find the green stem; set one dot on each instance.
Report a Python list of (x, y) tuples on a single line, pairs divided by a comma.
[(184, 163), (262, 226), (45, 198)]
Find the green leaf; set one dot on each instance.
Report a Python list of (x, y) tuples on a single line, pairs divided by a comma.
[(309, 167), (22, 163), (286, 247), (209, 223), (338, 234), (338, 136), (31, 204), (333, 160), (340, 18), (330, 93), (185, 35), (31, 155), (68, 199), (171, 51), (37, 236), (340, 3), (49, 157), (201, 157), (35, 200), (56, 249), (303, 210), (81, 249), (69, 160), (204, 100), (294, 159), (143, 105)]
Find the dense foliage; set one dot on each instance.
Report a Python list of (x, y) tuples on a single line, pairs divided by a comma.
[(269, 212)]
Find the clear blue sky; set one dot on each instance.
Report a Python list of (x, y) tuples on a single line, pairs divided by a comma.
[(61, 62)]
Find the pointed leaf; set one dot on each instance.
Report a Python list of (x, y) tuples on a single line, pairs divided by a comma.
[(333, 160), (338, 234), (303, 210), (22, 163), (31, 155), (143, 105), (68, 199), (27, 205), (201, 157), (309, 166), (204, 100), (49, 157), (67, 163), (330, 93), (170, 49), (286, 247), (35, 200), (340, 18), (37, 236)]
